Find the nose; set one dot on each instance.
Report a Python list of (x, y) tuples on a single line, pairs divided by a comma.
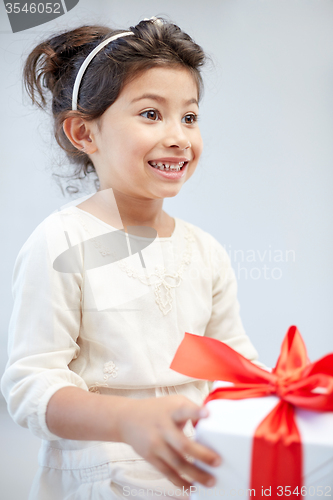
[(176, 137)]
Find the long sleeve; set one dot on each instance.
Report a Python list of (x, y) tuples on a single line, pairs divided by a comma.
[(43, 329), (225, 323)]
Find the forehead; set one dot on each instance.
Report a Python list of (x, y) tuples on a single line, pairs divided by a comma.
[(167, 82)]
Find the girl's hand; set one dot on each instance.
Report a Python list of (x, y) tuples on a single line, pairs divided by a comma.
[(153, 427)]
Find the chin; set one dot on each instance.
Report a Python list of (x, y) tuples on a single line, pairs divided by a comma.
[(171, 192)]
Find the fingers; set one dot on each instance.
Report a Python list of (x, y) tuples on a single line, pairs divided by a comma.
[(162, 442), (189, 411), (185, 446), (179, 465), (170, 473)]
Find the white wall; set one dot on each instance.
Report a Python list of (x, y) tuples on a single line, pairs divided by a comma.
[(264, 184)]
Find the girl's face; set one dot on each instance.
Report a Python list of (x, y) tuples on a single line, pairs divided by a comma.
[(151, 126)]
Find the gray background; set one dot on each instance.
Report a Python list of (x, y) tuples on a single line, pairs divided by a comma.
[(264, 183)]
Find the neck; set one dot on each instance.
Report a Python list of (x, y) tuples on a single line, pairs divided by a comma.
[(108, 204), (139, 212)]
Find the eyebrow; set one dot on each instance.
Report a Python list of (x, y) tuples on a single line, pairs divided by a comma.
[(159, 98)]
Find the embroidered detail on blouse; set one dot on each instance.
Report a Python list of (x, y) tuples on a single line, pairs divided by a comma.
[(160, 279), (94, 388), (164, 281), (110, 370)]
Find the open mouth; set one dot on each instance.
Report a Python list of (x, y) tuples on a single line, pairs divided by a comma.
[(168, 167)]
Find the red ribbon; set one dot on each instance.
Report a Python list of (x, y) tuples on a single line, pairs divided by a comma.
[(277, 447)]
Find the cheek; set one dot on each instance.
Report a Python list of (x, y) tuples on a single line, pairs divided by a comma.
[(198, 146), (132, 156), (139, 141)]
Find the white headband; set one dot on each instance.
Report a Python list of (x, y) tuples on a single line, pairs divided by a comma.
[(86, 63)]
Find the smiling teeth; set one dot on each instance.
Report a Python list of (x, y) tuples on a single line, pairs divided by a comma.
[(167, 166)]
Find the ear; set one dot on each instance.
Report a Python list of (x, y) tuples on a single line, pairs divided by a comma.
[(79, 132)]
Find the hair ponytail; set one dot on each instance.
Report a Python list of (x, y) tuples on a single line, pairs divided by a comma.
[(52, 59)]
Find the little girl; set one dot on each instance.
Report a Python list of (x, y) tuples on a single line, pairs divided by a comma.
[(95, 325)]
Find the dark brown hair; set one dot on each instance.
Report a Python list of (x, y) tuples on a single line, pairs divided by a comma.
[(54, 64)]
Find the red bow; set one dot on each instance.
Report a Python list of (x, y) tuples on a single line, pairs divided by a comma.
[(295, 380)]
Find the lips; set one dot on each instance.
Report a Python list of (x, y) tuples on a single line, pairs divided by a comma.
[(169, 169), (169, 164)]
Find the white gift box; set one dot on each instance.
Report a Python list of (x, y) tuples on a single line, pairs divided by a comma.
[(229, 430)]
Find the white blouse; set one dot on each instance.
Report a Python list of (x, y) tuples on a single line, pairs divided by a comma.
[(113, 328)]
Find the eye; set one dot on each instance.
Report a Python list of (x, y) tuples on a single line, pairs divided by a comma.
[(151, 114), (190, 118)]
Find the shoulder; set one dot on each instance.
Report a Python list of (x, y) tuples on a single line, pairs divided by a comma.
[(53, 234), (50, 227), (208, 251), (204, 240)]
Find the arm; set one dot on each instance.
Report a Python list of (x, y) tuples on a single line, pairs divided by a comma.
[(225, 323), (43, 329), (153, 427)]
